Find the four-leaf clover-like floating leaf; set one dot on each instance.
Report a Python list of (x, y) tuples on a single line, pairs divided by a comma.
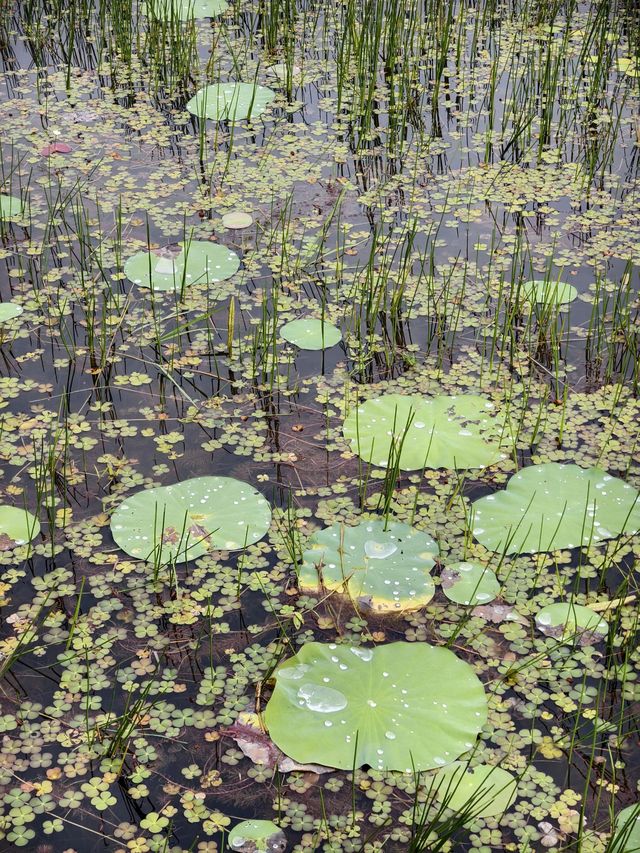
[(17, 527), (384, 567), (483, 791), (551, 506), (469, 583), (431, 432), (230, 101), (569, 621), (311, 334), (184, 521), (401, 706), (181, 265)]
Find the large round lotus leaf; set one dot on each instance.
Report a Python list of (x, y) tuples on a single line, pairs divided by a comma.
[(252, 836), (184, 521), (483, 791), (17, 527), (435, 432), (627, 835), (181, 265), (230, 101), (546, 292), (566, 621), (9, 311), (10, 207), (469, 583), (402, 706), (384, 569), (551, 506), (184, 10), (311, 334)]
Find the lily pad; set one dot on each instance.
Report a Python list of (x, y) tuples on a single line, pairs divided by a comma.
[(547, 292), (237, 219), (568, 621), (384, 569), (626, 838), (483, 791), (230, 101), (184, 521), (10, 207), (551, 506), (9, 311), (178, 265), (401, 706), (311, 334), (17, 527), (252, 836), (435, 432), (184, 10), (469, 583)]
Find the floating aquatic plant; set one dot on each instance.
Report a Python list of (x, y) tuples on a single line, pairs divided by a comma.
[(626, 838), (548, 292), (402, 706), (431, 432), (309, 333), (481, 791), (10, 207), (569, 621), (237, 219), (230, 101), (383, 566), (254, 836), (9, 311), (469, 583), (551, 506), (182, 265), (17, 527), (186, 9), (186, 520)]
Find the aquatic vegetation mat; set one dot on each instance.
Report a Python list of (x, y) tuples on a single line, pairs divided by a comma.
[(403, 706), (384, 566)]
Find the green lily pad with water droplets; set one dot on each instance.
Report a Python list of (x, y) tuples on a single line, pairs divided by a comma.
[(310, 333), (547, 292), (230, 101), (569, 621), (253, 836), (184, 10), (550, 506), (181, 265), (9, 311), (401, 706), (383, 569), (184, 521), (10, 207), (17, 527), (431, 432), (626, 838), (482, 791), (469, 583)]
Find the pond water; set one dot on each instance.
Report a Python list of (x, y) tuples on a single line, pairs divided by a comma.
[(449, 192)]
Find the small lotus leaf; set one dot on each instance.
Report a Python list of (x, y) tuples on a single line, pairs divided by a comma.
[(237, 219), (9, 311), (401, 706), (435, 432), (469, 583), (382, 567), (627, 831), (230, 101), (17, 527), (567, 621), (483, 791), (174, 267), (10, 207), (184, 10), (184, 521), (551, 506), (311, 334), (252, 836), (547, 292)]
